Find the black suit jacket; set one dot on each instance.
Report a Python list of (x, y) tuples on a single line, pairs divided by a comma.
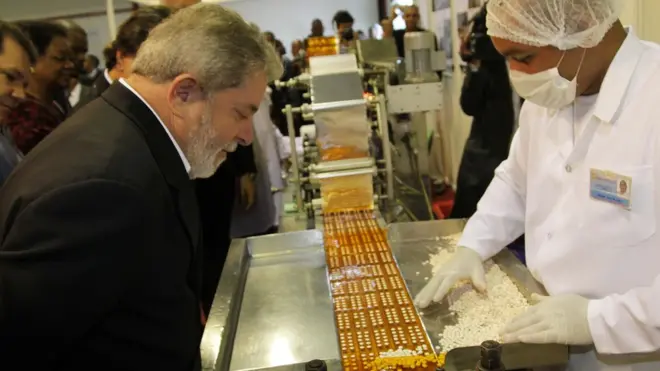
[(100, 84), (99, 247)]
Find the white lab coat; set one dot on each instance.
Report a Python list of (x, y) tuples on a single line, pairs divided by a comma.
[(575, 244)]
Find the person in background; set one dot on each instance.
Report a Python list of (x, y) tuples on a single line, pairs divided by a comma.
[(270, 37), (317, 30), (280, 47), (17, 55), (262, 217), (297, 57), (78, 43), (130, 35), (80, 94), (37, 116), (297, 48), (104, 80), (590, 120), (298, 53), (343, 22), (79, 46), (82, 88), (91, 67), (287, 63), (487, 97), (411, 17), (388, 28), (99, 223)]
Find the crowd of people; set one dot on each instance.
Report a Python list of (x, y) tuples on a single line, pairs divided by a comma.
[(116, 214)]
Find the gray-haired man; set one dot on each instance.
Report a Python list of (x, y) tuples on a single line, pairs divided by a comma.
[(99, 226)]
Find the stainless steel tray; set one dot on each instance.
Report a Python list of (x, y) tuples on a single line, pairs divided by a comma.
[(412, 244), (273, 309)]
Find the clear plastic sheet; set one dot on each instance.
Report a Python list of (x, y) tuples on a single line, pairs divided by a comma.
[(342, 133), (347, 193)]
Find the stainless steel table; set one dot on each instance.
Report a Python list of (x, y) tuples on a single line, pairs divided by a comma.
[(273, 308)]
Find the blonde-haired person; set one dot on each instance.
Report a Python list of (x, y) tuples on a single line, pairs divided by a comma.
[(109, 236)]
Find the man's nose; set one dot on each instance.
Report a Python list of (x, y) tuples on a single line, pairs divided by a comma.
[(246, 133)]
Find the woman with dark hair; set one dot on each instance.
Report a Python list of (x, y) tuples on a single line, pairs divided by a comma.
[(119, 55), (41, 112)]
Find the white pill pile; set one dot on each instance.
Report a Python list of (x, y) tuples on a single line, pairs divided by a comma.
[(479, 317), (401, 352)]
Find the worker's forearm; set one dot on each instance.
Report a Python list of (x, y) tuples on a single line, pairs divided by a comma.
[(500, 219), (627, 323)]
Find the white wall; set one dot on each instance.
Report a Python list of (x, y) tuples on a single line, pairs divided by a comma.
[(33, 9), (291, 19), (642, 15), (88, 13), (288, 19), (98, 32)]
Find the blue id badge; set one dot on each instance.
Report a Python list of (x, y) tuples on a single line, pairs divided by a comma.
[(610, 187)]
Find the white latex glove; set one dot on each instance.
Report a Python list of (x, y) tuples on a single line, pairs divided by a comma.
[(465, 264), (560, 319)]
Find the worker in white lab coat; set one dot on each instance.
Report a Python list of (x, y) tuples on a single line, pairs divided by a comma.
[(580, 182)]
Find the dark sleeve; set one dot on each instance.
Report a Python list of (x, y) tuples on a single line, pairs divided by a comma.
[(243, 159), (473, 93), (65, 261), (398, 40)]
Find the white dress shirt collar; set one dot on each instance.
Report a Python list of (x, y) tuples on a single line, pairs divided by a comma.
[(74, 96), (186, 164), (106, 74)]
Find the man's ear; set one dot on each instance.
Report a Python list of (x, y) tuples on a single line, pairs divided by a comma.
[(185, 89)]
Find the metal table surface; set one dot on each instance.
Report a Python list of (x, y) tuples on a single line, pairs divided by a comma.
[(273, 308)]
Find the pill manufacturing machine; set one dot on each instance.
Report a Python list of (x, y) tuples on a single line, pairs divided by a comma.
[(338, 148), (276, 304), (339, 297), (353, 98)]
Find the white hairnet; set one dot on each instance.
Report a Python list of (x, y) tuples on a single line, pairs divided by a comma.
[(564, 24)]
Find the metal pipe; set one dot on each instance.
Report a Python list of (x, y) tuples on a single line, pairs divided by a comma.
[(316, 177), (336, 105), (381, 116), (288, 111), (112, 23)]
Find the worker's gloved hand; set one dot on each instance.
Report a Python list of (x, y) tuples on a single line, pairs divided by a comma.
[(465, 264), (560, 319), (248, 190)]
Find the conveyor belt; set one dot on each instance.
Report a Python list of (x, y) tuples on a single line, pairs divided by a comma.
[(374, 312)]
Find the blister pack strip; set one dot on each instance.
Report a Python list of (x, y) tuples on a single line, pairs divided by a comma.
[(377, 324)]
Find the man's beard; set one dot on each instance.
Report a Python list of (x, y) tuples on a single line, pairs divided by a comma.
[(203, 153)]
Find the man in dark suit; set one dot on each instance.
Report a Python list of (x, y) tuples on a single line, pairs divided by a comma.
[(99, 226)]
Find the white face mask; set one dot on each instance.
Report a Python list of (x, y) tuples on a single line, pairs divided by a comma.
[(546, 88)]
